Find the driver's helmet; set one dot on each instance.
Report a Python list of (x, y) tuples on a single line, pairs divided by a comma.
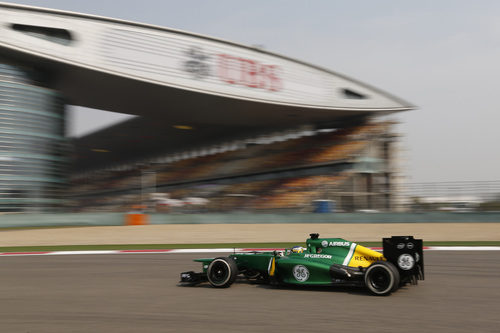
[(297, 249)]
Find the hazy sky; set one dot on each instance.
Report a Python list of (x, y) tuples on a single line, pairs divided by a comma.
[(442, 56)]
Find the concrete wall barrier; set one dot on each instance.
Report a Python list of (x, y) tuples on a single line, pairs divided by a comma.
[(61, 220), (116, 219)]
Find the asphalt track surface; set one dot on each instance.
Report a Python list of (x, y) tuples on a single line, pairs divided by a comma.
[(139, 293)]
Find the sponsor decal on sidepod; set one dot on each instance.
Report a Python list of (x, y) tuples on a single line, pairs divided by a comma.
[(301, 273), (318, 256)]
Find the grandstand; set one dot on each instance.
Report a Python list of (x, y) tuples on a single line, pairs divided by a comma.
[(347, 165)]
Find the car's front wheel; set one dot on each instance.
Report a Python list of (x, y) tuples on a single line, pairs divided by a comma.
[(382, 278), (222, 272)]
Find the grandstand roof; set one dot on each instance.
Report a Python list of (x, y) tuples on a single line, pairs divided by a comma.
[(219, 89)]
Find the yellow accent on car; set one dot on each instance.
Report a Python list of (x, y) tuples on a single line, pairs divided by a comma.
[(272, 267), (183, 127), (364, 257)]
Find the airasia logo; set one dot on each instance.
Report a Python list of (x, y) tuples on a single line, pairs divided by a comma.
[(234, 70)]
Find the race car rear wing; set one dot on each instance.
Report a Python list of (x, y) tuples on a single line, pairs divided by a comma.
[(406, 253)]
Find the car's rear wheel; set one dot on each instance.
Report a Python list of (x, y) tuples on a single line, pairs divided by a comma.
[(382, 278), (222, 272)]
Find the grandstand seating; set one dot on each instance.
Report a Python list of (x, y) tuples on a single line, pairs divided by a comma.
[(225, 179)]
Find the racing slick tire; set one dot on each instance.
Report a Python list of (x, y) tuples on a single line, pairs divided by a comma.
[(222, 272), (382, 278)]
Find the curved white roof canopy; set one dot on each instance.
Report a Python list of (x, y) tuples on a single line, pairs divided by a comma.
[(175, 77)]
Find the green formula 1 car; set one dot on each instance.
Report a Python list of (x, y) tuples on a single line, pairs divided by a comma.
[(324, 261)]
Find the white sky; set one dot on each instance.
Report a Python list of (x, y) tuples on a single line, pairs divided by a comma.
[(442, 56)]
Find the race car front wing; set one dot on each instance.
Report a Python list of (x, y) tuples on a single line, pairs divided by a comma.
[(193, 277)]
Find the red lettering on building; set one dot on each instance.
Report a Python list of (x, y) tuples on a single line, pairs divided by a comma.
[(249, 73)]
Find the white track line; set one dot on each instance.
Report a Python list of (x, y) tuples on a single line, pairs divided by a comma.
[(464, 248), (65, 253), (221, 250)]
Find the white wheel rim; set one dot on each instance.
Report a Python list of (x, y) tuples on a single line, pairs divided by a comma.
[(217, 283)]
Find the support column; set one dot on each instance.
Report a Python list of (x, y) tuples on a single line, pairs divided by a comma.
[(33, 149)]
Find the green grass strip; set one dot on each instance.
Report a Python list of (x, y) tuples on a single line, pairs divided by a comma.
[(207, 246)]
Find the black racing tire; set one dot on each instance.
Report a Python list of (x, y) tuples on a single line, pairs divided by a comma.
[(382, 278), (222, 272)]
